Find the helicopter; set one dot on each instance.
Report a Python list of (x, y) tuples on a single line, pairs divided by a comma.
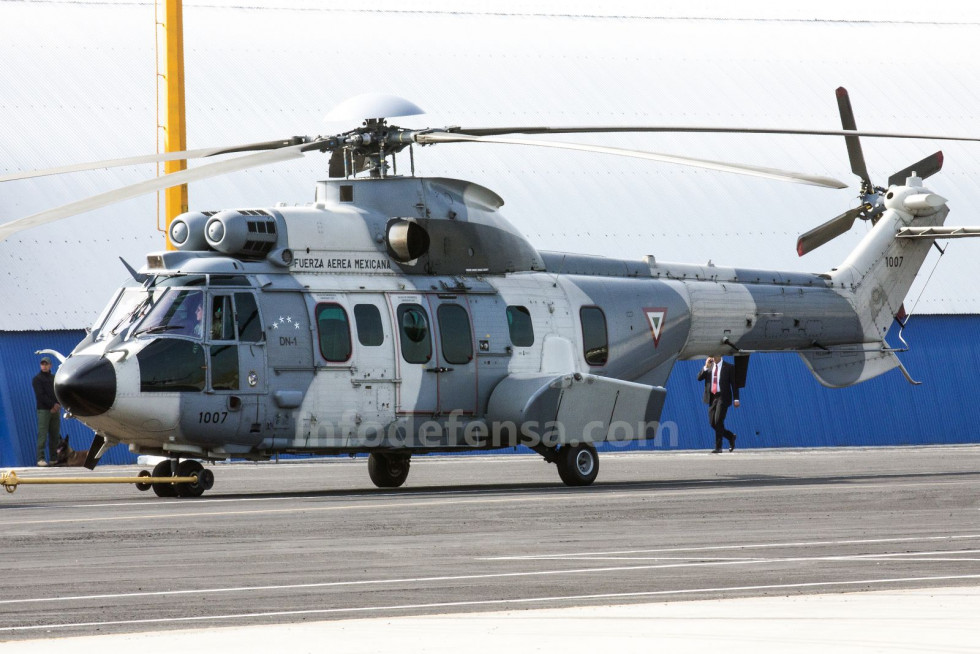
[(399, 315)]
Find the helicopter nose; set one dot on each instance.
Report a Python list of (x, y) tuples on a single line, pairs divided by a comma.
[(86, 385)]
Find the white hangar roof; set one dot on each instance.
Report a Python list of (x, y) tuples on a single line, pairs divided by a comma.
[(79, 84)]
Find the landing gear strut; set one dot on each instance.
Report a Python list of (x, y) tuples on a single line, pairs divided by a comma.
[(388, 470)]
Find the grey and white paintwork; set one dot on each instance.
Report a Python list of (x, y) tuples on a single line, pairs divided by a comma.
[(401, 241)]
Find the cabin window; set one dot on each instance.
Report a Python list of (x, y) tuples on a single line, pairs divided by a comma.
[(521, 329), (413, 324), (370, 331), (247, 317), (222, 318), (334, 332), (594, 338), (170, 365), (224, 367), (455, 334)]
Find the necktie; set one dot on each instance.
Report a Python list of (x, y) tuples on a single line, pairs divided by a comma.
[(715, 374)]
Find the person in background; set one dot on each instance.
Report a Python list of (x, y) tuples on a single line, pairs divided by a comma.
[(48, 413), (720, 392)]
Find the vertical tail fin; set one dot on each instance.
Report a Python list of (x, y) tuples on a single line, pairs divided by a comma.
[(881, 269)]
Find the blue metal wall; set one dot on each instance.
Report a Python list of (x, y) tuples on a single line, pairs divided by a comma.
[(782, 404), (18, 417)]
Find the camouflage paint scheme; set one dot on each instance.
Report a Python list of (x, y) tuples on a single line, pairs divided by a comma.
[(398, 244)]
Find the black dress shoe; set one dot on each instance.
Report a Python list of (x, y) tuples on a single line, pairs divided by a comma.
[(716, 451), (731, 443)]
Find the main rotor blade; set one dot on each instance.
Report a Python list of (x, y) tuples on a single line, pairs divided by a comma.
[(743, 169), (693, 129), (854, 152), (151, 185), (155, 158), (925, 168), (827, 231)]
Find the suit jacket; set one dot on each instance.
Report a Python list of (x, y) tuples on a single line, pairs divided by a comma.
[(728, 390)]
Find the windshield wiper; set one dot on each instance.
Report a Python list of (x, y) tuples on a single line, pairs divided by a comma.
[(156, 329)]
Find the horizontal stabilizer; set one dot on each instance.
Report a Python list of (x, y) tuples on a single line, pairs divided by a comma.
[(938, 232), (847, 365)]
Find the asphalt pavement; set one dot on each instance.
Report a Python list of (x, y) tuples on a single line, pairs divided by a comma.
[(660, 541)]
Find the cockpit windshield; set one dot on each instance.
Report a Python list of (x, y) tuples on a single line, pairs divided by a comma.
[(124, 311), (178, 312)]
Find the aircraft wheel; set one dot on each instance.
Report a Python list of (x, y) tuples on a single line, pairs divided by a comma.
[(578, 465), (141, 486), (164, 469), (191, 468), (388, 470)]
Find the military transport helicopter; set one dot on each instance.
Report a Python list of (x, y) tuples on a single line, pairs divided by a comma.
[(400, 314)]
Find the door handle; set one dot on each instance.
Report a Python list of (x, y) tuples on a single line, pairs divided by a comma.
[(439, 369)]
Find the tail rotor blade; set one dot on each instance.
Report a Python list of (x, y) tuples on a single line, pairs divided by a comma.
[(827, 231), (854, 152), (925, 168)]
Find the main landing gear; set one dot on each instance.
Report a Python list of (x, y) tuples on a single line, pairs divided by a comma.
[(578, 464), (188, 468), (388, 470)]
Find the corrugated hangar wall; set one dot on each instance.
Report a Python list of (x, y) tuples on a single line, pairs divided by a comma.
[(18, 417), (78, 85), (782, 404)]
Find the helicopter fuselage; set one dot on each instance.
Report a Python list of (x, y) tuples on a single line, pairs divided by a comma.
[(417, 319)]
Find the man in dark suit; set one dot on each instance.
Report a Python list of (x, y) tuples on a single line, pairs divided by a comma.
[(720, 392)]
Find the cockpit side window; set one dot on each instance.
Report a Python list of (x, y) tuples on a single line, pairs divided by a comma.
[(247, 316), (222, 318), (176, 312)]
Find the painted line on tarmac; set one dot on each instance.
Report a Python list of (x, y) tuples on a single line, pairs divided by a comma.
[(744, 546), (474, 603), (715, 562)]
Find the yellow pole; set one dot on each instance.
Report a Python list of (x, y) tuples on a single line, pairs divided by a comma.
[(175, 129), (10, 481)]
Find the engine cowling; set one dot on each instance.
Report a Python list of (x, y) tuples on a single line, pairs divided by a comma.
[(187, 231), (247, 234)]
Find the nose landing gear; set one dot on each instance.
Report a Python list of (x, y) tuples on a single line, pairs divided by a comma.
[(188, 468)]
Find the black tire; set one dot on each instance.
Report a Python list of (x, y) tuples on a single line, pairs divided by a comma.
[(164, 469), (578, 465), (388, 470), (190, 468), (141, 486)]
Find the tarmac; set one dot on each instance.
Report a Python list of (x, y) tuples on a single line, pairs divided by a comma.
[(921, 620), (851, 549)]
